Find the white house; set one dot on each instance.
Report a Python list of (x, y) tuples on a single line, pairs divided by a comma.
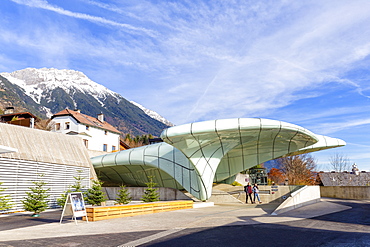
[(97, 134)]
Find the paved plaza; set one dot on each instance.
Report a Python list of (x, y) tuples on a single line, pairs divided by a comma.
[(331, 222)]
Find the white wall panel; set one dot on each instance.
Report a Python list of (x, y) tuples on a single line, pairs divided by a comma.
[(17, 176)]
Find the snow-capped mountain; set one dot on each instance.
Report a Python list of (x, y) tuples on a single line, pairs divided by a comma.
[(49, 90), (153, 114), (36, 81)]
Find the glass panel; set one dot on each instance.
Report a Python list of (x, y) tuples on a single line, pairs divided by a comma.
[(250, 123), (270, 124), (227, 124), (177, 130), (137, 155), (203, 127), (122, 157), (109, 160), (167, 166)]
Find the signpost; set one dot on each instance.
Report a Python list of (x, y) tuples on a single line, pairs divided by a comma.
[(74, 206), (274, 188)]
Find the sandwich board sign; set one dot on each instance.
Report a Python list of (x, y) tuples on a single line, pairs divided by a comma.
[(74, 206)]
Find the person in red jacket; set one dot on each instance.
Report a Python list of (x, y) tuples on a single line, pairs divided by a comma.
[(248, 190)]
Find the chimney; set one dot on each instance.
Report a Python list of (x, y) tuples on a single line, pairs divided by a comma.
[(101, 117), (78, 110), (9, 110), (32, 123)]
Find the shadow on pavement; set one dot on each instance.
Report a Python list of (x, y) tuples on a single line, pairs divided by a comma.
[(262, 235), (359, 214), (97, 240), (25, 220)]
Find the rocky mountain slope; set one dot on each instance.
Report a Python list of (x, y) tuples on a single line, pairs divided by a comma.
[(47, 91)]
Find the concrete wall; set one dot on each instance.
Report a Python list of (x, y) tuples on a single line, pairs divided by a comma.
[(304, 196), (165, 194), (267, 193), (346, 192)]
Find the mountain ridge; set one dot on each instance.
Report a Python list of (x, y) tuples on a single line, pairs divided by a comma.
[(47, 91)]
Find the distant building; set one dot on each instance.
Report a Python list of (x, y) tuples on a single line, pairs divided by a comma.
[(123, 145), (258, 176), (25, 119), (96, 133), (354, 178)]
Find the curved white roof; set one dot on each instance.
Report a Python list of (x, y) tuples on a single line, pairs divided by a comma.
[(197, 154)]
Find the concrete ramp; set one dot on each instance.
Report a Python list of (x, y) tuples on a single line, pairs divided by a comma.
[(302, 197), (219, 196)]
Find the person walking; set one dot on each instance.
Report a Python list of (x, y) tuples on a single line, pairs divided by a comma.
[(255, 192), (248, 192)]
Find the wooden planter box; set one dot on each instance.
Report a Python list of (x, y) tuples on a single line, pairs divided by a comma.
[(110, 212)]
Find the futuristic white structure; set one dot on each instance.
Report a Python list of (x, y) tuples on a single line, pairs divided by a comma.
[(195, 155)]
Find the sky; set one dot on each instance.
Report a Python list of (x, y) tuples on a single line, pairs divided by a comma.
[(302, 62)]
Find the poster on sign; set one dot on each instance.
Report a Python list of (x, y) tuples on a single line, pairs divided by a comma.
[(75, 206), (78, 204)]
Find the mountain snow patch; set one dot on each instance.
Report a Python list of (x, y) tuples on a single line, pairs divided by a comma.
[(153, 114)]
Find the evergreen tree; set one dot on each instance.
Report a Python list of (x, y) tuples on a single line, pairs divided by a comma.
[(123, 196), (95, 195), (150, 194), (77, 187), (5, 203), (36, 199)]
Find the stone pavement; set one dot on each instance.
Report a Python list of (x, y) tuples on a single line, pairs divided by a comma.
[(330, 222)]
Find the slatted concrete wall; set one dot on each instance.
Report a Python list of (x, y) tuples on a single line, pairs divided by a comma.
[(17, 177), (55, 155)]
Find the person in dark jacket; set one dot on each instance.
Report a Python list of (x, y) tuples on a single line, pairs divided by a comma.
[(248, 192)]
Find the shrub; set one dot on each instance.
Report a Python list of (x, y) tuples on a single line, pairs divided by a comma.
[(95, 195), (5, 203), (123, 196), (77, 187), (150, 193), (235, 183), (36, 199)]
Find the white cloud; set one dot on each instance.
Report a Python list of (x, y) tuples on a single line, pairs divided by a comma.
[(327, 128), (231, 59), (43, 4)]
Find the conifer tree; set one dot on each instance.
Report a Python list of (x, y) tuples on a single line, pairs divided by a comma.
[(95, 195), (36, 199), (77, 187), (5, 203), (123, 196), (150, 194)]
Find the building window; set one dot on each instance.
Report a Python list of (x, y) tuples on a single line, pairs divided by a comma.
[(106, 132), (67, 125), (113, 148), (86, 142), (87, 127), (57, 126), (105, 147)]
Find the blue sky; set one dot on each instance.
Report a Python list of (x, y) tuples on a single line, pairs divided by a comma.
[(304, 62)]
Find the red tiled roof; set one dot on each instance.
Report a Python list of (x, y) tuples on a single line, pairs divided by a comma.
[(87, 120)]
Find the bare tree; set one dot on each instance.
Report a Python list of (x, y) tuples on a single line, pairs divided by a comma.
[(45, 124), (299, 169), (339, 163)]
